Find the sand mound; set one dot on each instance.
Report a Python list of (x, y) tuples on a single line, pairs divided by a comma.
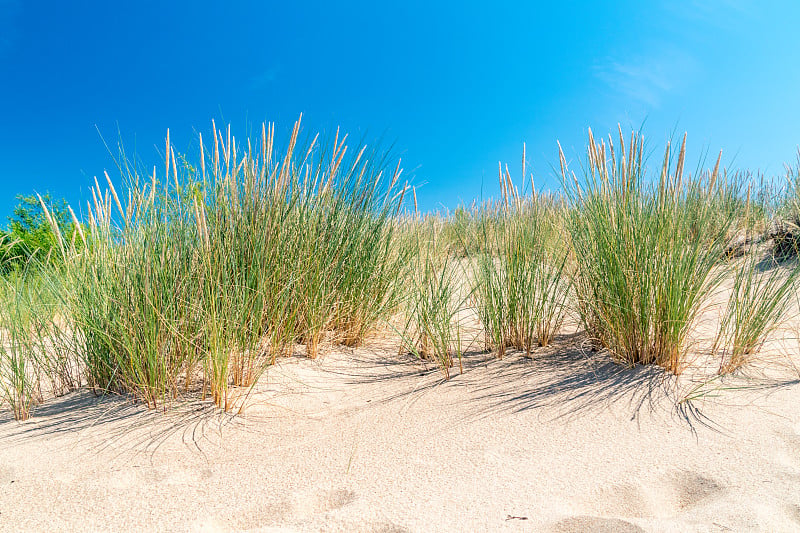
[(367, 441)]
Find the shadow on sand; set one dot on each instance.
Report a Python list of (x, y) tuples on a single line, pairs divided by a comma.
[(114, 422), (565, 379)]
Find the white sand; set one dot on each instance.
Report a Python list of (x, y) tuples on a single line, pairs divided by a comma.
[(364, 441)]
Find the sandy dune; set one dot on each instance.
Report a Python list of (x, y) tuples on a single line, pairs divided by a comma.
[(366, 441)]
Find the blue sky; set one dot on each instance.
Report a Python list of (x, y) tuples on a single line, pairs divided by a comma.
[(456, 86)]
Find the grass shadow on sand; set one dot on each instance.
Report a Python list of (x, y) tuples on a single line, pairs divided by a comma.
[(114, 422), (566, 379), (569, 379), (564, 376)]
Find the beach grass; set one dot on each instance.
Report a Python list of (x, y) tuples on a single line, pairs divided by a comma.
[(203, 275), (762, 294), (521, 285), (192, 278), (646, 248), (37, 358), (434, 297)]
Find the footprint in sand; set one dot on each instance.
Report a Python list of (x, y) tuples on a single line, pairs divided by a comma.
[(388, 528), (289, 510), (259, 515), (334, 499), (793, 510), (366, 526), (789, 453), (694, 488), (310, 503), (622, 499), (596, 524), (793, 443)]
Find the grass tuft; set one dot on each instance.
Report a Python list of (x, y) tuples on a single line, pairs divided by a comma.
[(761, 295), (200, 277), (520, 283), (434, 300), (645, 250)]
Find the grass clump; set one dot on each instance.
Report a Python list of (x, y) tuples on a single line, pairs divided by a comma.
[(786, 233), (464, 228), (521, 290), (762, 293), (200, 279), (18, 370), (36, 355), (645, 251), (434, 301)]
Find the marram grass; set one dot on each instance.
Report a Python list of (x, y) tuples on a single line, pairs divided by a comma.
[(200, 278), (193, 278), (520, 282), (37, 357), (762, 293), (434, 298), (645, 249)]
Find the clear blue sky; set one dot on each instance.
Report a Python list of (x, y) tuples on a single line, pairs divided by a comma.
[(456, 86)]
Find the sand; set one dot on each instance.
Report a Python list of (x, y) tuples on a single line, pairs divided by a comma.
[(365, 440)]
